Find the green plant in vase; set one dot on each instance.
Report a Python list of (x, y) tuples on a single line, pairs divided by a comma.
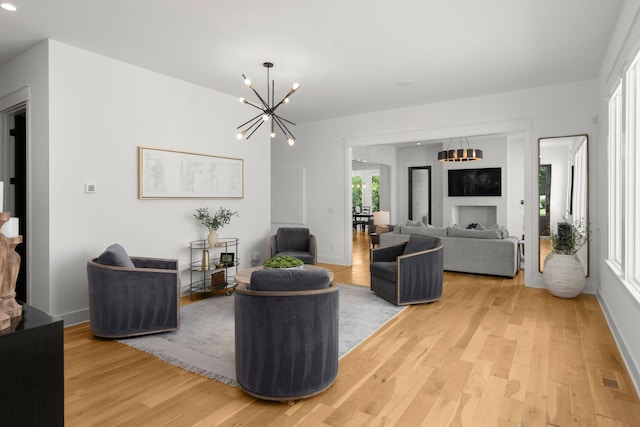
[(280, 261), (214, 221)]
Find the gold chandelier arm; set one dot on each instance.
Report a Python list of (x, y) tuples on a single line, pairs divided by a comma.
[(244, 101), (291, 92)]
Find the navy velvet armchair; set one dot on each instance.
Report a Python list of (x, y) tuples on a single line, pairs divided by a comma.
[(293, 241), (131, 296), (286, 334), (410, 272)]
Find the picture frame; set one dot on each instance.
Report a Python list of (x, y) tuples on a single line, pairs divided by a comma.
[(227, 258), (170, 174)]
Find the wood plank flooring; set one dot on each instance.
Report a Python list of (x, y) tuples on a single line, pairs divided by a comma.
[(489, 353)]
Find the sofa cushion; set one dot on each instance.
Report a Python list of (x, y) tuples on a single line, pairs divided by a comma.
[(424, 231), (474, 234), (282, 279), (115, 255), (384, 269), (418, 243)]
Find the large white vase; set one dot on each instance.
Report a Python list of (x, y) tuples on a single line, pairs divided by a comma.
[(563, 276)]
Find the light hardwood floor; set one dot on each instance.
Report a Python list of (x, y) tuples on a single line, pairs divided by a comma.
[(489, 353)]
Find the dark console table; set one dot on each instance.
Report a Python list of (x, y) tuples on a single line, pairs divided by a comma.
[(32, 370)]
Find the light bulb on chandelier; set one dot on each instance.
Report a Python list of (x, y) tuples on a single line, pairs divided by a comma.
[(267, 110)]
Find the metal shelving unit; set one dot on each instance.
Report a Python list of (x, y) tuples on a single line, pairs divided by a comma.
[(206, 272)]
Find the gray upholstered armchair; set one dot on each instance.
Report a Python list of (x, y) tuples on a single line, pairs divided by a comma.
[(131, 296), (293, 241), (410, 272), (286, 332)]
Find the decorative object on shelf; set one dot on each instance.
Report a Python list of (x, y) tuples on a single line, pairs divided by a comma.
[(267, 109), (214, 221), (205, 259), (287, 261), (226, 259), (218, 278), (563, 274), (460, 155), (9, 268)]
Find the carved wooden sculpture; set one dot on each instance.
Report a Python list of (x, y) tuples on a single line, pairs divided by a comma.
[(9, 267)]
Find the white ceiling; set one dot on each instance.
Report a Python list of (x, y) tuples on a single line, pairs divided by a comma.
[(349, 56)]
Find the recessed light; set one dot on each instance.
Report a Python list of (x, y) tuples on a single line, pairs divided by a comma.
[(419, 143), (8, 6), (406, 83)]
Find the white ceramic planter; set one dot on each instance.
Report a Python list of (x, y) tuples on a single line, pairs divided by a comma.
[(563, 276)]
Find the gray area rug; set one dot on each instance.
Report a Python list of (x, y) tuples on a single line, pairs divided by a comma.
[(205, 342)]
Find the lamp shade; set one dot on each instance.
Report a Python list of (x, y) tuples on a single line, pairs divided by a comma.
[(381, 218)]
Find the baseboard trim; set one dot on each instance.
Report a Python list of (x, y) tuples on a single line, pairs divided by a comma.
[(632, 368), (75, 317)]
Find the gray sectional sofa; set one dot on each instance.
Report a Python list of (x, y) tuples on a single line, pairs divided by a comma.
[(489, 251)]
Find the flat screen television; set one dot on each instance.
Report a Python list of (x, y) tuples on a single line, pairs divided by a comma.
[(475, 182)]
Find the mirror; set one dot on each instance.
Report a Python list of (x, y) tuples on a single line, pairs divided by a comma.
[(563, 191), (420, 193)]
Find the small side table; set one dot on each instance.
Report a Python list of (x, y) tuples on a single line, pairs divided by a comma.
[(520, 253), (375, 239)]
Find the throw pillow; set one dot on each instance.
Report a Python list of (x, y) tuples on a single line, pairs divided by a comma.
[(473, 234), (503, 231), (115, 255), (418, 243), (418, 223)]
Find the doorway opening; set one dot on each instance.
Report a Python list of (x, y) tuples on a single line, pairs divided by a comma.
[(13, 172)]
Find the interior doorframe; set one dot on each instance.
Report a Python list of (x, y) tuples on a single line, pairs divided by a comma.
[(14, 103)]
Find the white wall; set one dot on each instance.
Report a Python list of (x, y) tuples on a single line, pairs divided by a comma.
[(101, 110), (324, 146)]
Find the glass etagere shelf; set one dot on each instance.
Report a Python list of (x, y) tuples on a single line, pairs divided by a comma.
[(213, 267)]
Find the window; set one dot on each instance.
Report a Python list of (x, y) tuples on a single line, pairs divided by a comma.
[(624, 191), (615, 178), (631, 208)]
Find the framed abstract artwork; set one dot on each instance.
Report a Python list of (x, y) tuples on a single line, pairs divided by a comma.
[(169, 174)]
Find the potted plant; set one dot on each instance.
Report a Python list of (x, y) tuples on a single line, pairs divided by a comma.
[(563, 274), (287, 261), (214, 221)]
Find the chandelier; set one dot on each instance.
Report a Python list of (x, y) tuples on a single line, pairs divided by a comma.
[(461, 154), (267, 109)]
